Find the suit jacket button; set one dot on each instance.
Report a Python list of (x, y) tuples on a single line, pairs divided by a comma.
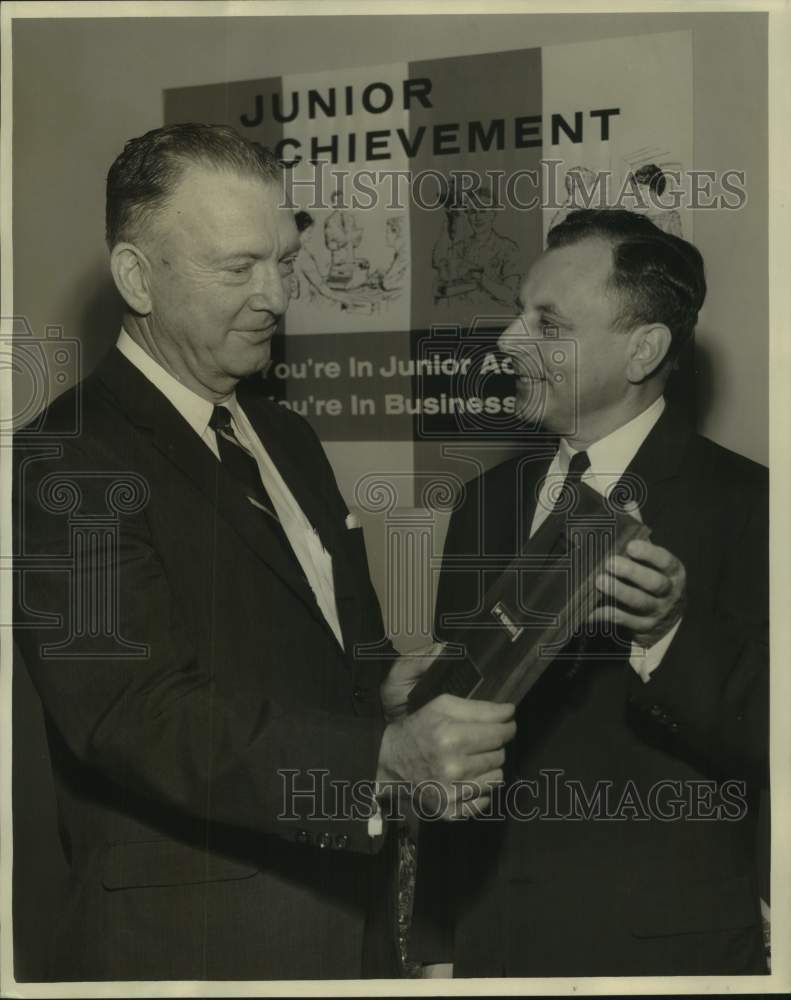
[(324, 841), (303, 837), (655, 711), (341, 842), (358, 694)]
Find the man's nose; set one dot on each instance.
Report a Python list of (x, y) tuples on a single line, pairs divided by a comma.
[(514, 336), (272, 291)]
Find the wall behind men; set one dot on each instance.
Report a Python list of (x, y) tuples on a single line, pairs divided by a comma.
[(82, 87)]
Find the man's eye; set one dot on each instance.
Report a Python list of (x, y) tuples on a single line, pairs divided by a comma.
[(239, 268), (287, 265)]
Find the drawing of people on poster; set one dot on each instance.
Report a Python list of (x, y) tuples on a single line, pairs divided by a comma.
[(580, 185), (640, 191), (448, 254), (494, 261), (648, 149), (308, 281), (650, 184), (342, 237), (346, 280), (472, 260), (393, 279), (357, 250)]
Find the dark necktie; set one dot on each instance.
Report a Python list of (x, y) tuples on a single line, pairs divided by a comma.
[(238, 460), (567, 498), (241, 464), (545, 536), (580, 644)]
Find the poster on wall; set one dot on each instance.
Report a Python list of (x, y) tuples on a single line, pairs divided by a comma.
[(423, 192)]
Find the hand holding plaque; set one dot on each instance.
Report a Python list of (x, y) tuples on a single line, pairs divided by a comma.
[(547, 593)]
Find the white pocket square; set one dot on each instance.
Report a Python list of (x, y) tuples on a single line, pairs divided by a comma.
[(352, 521)]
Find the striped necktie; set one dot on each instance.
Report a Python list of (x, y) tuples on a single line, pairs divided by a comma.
[(239, 461)]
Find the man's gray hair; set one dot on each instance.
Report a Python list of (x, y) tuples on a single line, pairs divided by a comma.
[(145, 174)]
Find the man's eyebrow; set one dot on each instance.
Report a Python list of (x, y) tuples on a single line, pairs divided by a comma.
[(548, 309), (223, 258)]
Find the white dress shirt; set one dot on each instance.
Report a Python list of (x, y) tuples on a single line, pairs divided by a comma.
[(609, 458), (314, 559)]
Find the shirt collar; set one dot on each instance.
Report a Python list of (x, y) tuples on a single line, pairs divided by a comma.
[(611, 455), (193, 408)]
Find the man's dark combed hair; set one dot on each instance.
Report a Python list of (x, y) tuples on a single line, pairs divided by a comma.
[(658, 277), (144, 175)]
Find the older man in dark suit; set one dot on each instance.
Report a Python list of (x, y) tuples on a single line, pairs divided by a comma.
[(196, 614), (625, 839)]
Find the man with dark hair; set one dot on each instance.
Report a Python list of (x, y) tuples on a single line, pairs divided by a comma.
[(220, 699), (623, 840), (655, 274)]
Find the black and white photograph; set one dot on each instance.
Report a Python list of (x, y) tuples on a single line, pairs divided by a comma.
[(394, 535)]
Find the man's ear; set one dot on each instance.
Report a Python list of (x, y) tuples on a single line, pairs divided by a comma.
[(130, 271), (648, 347)]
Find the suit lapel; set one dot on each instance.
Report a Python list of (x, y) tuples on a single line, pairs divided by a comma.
[(171, 435), (655, 469), (530, 473)]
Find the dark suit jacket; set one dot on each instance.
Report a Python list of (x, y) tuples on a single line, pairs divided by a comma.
[(217, 671), (635, 894)]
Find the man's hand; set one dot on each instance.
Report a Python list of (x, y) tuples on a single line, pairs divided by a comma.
[(404, 674), (453, 742), (649, 587)]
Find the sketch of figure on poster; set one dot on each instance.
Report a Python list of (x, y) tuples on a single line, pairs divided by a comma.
[(395, 276), (347, 280), (641, 191), (650, 181), (342, 237), (308, 280), (474, 262)]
